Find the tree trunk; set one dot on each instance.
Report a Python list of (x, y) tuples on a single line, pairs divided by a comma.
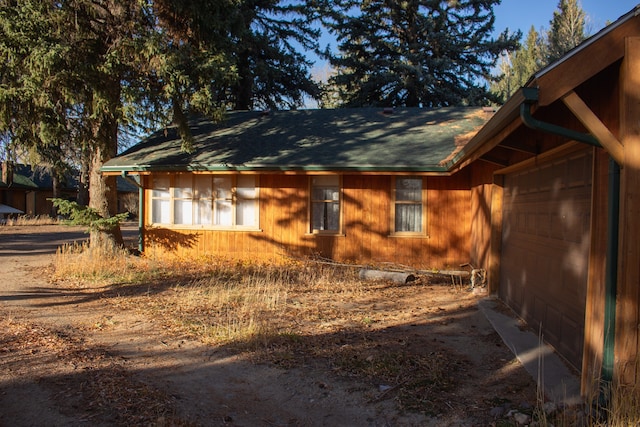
[(83, 182), (55, 191), (244, 88), (103, 197), (103, 192)]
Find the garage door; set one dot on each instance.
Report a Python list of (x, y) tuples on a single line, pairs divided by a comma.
[(545, 247)]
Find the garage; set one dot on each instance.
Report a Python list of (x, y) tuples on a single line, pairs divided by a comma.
[(545, 248)]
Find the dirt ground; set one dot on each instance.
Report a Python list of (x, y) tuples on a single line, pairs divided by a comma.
[(71, 357)]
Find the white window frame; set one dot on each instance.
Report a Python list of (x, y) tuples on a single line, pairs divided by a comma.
[(399, 200), (206, 201), (331, 186)]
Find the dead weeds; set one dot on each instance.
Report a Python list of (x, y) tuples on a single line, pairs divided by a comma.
[(409, 341), (422, 346)]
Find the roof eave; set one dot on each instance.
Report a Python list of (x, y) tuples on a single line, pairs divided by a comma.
[(507, 118), (490, 135), (126, 169)]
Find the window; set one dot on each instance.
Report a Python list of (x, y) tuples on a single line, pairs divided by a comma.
[(161, 200), (246, 201), (223, 201), (325, 204), (408, 206), (183, 200)]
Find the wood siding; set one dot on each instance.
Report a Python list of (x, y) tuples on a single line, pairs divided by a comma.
[(482, 199), (366, 225), (545, 248), (32, 202), (594, 309), (628, 299)]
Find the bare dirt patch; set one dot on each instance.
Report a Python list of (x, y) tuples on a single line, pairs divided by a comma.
[(417, 354)]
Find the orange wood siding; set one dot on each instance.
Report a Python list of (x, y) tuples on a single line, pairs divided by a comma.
[(481, 200), (628, 301), (449, 220), (594, 310), (601, 95), (366, 225)]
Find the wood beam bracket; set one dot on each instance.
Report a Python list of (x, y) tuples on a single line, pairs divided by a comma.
[(595, 126)]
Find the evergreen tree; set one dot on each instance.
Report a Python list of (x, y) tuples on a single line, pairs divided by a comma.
[(32, 100), (519, 66), (567, 29), (566, 32), (79, 70), (266, 38), (415, 52), (261, 40)]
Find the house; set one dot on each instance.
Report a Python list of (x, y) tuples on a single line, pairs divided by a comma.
[(350, 185), (17, 190), (558, 221), (30, 188), (544, 194)]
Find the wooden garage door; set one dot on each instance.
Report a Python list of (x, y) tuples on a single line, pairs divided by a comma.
[(545, 246)]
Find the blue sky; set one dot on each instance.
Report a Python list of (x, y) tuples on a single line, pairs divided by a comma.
[(522, 14)]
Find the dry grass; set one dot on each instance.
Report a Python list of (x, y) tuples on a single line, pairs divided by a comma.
[(84, 262), (623, 410), (292, 312), (29, 220), (625, 407), (228, 303), (218, 301)]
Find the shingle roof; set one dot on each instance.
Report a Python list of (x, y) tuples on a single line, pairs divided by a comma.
[(20, 180), (41, 177), (310, 140), (31, 178)]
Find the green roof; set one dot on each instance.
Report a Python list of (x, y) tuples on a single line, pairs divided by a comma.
[(20, 181), (412, 139)]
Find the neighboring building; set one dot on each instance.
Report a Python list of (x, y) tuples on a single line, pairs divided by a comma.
[(17, 190), (30, 189), (527, 197)]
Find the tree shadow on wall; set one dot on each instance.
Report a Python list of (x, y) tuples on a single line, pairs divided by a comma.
[(170, 240)]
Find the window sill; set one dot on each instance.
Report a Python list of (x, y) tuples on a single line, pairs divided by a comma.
[(409, 235), (203, 228), (325, 234)]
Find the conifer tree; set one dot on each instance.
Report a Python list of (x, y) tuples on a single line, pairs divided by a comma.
[(262, 39), (566, 32), (82, 71), (79, 70), (267, 37), (567, 29), (519, 66), (415, 52)]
